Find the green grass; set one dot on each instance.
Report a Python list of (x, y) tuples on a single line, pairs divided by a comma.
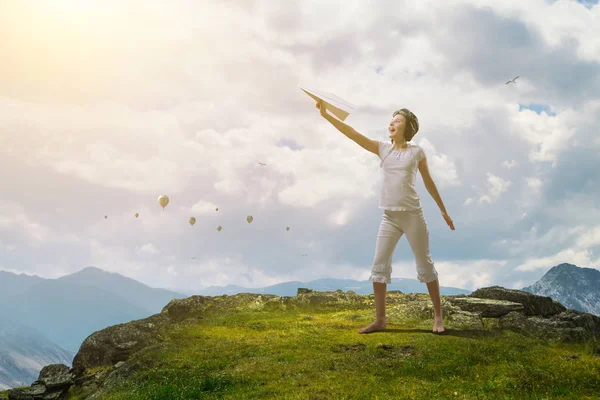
[(4, 394), (320, 355)]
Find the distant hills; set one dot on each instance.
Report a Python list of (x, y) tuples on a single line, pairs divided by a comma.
[(151, 300), (68, 309), (11, 284), (23, 353), (44, 321), (326, 284)]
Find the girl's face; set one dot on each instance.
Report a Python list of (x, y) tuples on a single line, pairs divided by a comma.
[(396, 128)]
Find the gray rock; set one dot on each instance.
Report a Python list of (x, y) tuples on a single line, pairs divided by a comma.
[(190, 307), (118, 342), (37, 388), (53, 381), (20, 394), (118, 375), (308, 298), (487, 308), (466, 319), (532, 304), (55, 376), (568, 326)]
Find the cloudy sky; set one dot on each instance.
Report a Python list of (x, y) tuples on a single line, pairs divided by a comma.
[(106, 105)]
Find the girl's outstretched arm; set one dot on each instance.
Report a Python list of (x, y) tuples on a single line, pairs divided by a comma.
[(363, 141)]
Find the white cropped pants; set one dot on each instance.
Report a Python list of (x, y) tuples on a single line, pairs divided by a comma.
[(393, 225)]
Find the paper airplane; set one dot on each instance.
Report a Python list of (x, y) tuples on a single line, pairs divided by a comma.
[(338, 106)]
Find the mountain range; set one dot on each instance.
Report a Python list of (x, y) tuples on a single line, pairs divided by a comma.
[(46, 320)]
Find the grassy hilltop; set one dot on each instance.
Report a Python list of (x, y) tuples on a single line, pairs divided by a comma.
[(240, 349)]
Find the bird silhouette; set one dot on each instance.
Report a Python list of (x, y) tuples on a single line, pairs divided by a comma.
[(262, 164), (193, 258), (304, 255), (512, 80)]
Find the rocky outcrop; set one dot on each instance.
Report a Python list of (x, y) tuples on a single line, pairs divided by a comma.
[(118, 342), (110, 355), (53, 380), (522, 312), (486, 308), (568, 326), (532, 304)]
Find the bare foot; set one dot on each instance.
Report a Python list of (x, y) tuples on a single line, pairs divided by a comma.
[(438, 324), (375, 326)]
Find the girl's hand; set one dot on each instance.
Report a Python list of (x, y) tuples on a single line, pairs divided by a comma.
[(448, 220), (321, 107)]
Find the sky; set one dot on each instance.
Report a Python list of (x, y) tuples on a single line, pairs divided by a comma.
[(106, 105)]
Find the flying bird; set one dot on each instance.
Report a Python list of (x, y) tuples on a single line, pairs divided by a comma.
[(262, 164), (193, 258), (512, 80), (304, 255)]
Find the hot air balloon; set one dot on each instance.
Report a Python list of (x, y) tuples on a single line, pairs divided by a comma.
[(249, 218), (219, 228), (287, 229), (192, 221), (106, 216), (137, 215), (163, 200)]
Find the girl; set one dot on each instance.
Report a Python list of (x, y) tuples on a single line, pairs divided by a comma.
[(402, 211)]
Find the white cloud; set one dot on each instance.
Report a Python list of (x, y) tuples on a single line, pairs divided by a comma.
[(509, 164), (557, 22), (341, 215), (148, 248), (575, 245), (550, 135), (465, 274), (496, 186), (443, 170), (204, 207), (17, 221), (26, 230), (588, 238), (518, 284), (534, 183), (580, 258), (172, 270), (7, 247)]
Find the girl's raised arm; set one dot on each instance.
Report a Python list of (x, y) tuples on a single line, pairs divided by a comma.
[(363, 141)]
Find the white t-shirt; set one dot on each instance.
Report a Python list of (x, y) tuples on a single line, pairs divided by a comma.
[(398, 171)]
